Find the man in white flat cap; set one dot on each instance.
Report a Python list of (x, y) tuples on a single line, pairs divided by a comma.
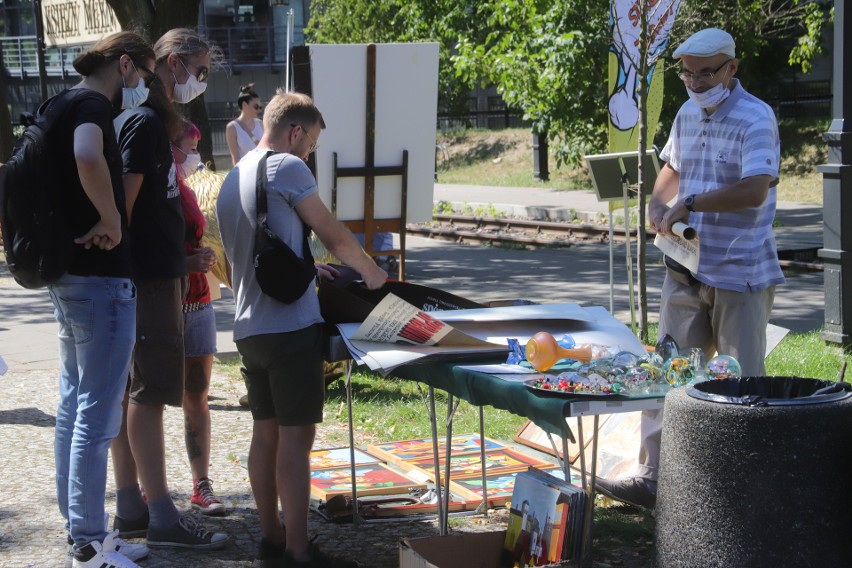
[(722, 160)]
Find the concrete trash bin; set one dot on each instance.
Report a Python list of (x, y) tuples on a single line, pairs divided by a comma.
[(756, 472)]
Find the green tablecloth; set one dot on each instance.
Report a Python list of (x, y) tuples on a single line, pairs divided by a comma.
[(548, 411)]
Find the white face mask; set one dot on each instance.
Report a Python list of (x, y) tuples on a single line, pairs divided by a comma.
[(132, 98), (710, 98), (190, 163), (186, 92)]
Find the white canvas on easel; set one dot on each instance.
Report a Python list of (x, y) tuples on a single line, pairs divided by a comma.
[(406, 117)]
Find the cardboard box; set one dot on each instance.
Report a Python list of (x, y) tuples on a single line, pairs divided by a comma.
[(459, 550)]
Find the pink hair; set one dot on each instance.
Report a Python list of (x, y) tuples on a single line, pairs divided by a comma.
[(189, 131)]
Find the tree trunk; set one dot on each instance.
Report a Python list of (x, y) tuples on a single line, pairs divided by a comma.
[(136, 16), (7, 138), (643, 136)]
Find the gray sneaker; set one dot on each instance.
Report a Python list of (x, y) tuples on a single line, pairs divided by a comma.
[(635, 491), (187, 533)]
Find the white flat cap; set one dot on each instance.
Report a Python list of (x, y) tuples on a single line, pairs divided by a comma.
[(706, 43)]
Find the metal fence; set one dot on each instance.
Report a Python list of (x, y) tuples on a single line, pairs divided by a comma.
[(20, 57), (802, 100)]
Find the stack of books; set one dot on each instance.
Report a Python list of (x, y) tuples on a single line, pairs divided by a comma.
[(545, 520)]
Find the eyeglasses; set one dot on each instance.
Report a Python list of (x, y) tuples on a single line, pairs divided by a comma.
[(202, 74), (149, 75), (314, 144), (702, 77)]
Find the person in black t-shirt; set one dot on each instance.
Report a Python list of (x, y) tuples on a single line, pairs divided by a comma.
[(95, 301), (154, 211)]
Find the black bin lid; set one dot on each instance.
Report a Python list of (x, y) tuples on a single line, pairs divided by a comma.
[(770, 391)]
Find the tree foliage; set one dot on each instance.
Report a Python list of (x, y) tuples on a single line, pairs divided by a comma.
[(391, 21), (548, 58)]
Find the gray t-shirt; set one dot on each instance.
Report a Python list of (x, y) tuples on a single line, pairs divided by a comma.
[(289, 182)]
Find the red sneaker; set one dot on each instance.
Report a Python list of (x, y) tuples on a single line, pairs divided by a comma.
[(204, 500)]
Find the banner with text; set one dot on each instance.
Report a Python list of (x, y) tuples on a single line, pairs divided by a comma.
[(73, 22)]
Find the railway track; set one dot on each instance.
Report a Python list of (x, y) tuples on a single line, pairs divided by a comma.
[(530, 233), (537, 234)]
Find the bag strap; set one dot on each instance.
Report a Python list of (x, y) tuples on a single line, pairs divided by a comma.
[(260, 189), (54, 108), (263, 208)]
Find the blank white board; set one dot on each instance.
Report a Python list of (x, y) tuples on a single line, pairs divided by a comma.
[(406, 115)]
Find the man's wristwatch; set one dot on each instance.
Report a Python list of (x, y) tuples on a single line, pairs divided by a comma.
[(689, 203)]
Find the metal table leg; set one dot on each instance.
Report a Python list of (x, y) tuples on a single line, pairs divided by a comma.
[(442, 530), (356, 518)]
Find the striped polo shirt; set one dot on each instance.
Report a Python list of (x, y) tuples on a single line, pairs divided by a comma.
[(709, 152)]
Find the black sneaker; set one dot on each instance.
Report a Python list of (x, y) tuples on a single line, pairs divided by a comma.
[(318, 559), (187, 533), (269, 555), (131, 528), (635, 491)]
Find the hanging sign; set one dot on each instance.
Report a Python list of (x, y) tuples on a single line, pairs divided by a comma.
[(625, 51), (73, 22)]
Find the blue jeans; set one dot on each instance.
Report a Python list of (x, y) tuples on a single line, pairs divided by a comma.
[(97, 332)]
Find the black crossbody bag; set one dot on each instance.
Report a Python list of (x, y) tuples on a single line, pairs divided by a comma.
[(280, 273)]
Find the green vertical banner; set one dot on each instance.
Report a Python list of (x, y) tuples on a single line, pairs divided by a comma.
[(624, 58)]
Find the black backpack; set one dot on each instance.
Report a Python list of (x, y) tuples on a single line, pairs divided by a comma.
[(37, 240)]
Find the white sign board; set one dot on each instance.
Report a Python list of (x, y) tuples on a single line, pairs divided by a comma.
[(71, 22), (406, 114)]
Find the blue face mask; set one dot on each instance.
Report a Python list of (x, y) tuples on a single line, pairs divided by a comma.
[(132, 98)]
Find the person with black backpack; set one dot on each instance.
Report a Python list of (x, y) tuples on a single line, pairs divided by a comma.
[(95, 299)]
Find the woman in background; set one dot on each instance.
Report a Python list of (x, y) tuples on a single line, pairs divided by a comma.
[(244, 132)]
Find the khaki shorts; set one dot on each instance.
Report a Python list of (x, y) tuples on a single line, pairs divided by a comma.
[(283, 373), (158, 367)]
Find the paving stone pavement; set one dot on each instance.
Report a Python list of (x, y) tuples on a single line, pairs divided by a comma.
[(32, 530)]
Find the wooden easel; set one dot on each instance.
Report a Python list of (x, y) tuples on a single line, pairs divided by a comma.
[(369, 225)]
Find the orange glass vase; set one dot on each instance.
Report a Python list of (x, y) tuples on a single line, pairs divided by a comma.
[(543, 352)]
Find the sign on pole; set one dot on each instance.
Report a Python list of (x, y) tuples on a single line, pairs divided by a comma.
[(73, 22)]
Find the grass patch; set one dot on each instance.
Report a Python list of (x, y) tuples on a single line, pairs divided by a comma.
[(501, 158), (807, 355)]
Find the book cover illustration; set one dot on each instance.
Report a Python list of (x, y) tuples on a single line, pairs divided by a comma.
[(331, 458), (403, 451), (470, 465), (537, 520), (576, 502), (376, 479)]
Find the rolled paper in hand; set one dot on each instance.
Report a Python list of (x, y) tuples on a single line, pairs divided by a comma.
[(683, 230)]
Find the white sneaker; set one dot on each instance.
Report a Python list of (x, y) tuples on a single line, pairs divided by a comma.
[(132, 551), (102, 558)]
